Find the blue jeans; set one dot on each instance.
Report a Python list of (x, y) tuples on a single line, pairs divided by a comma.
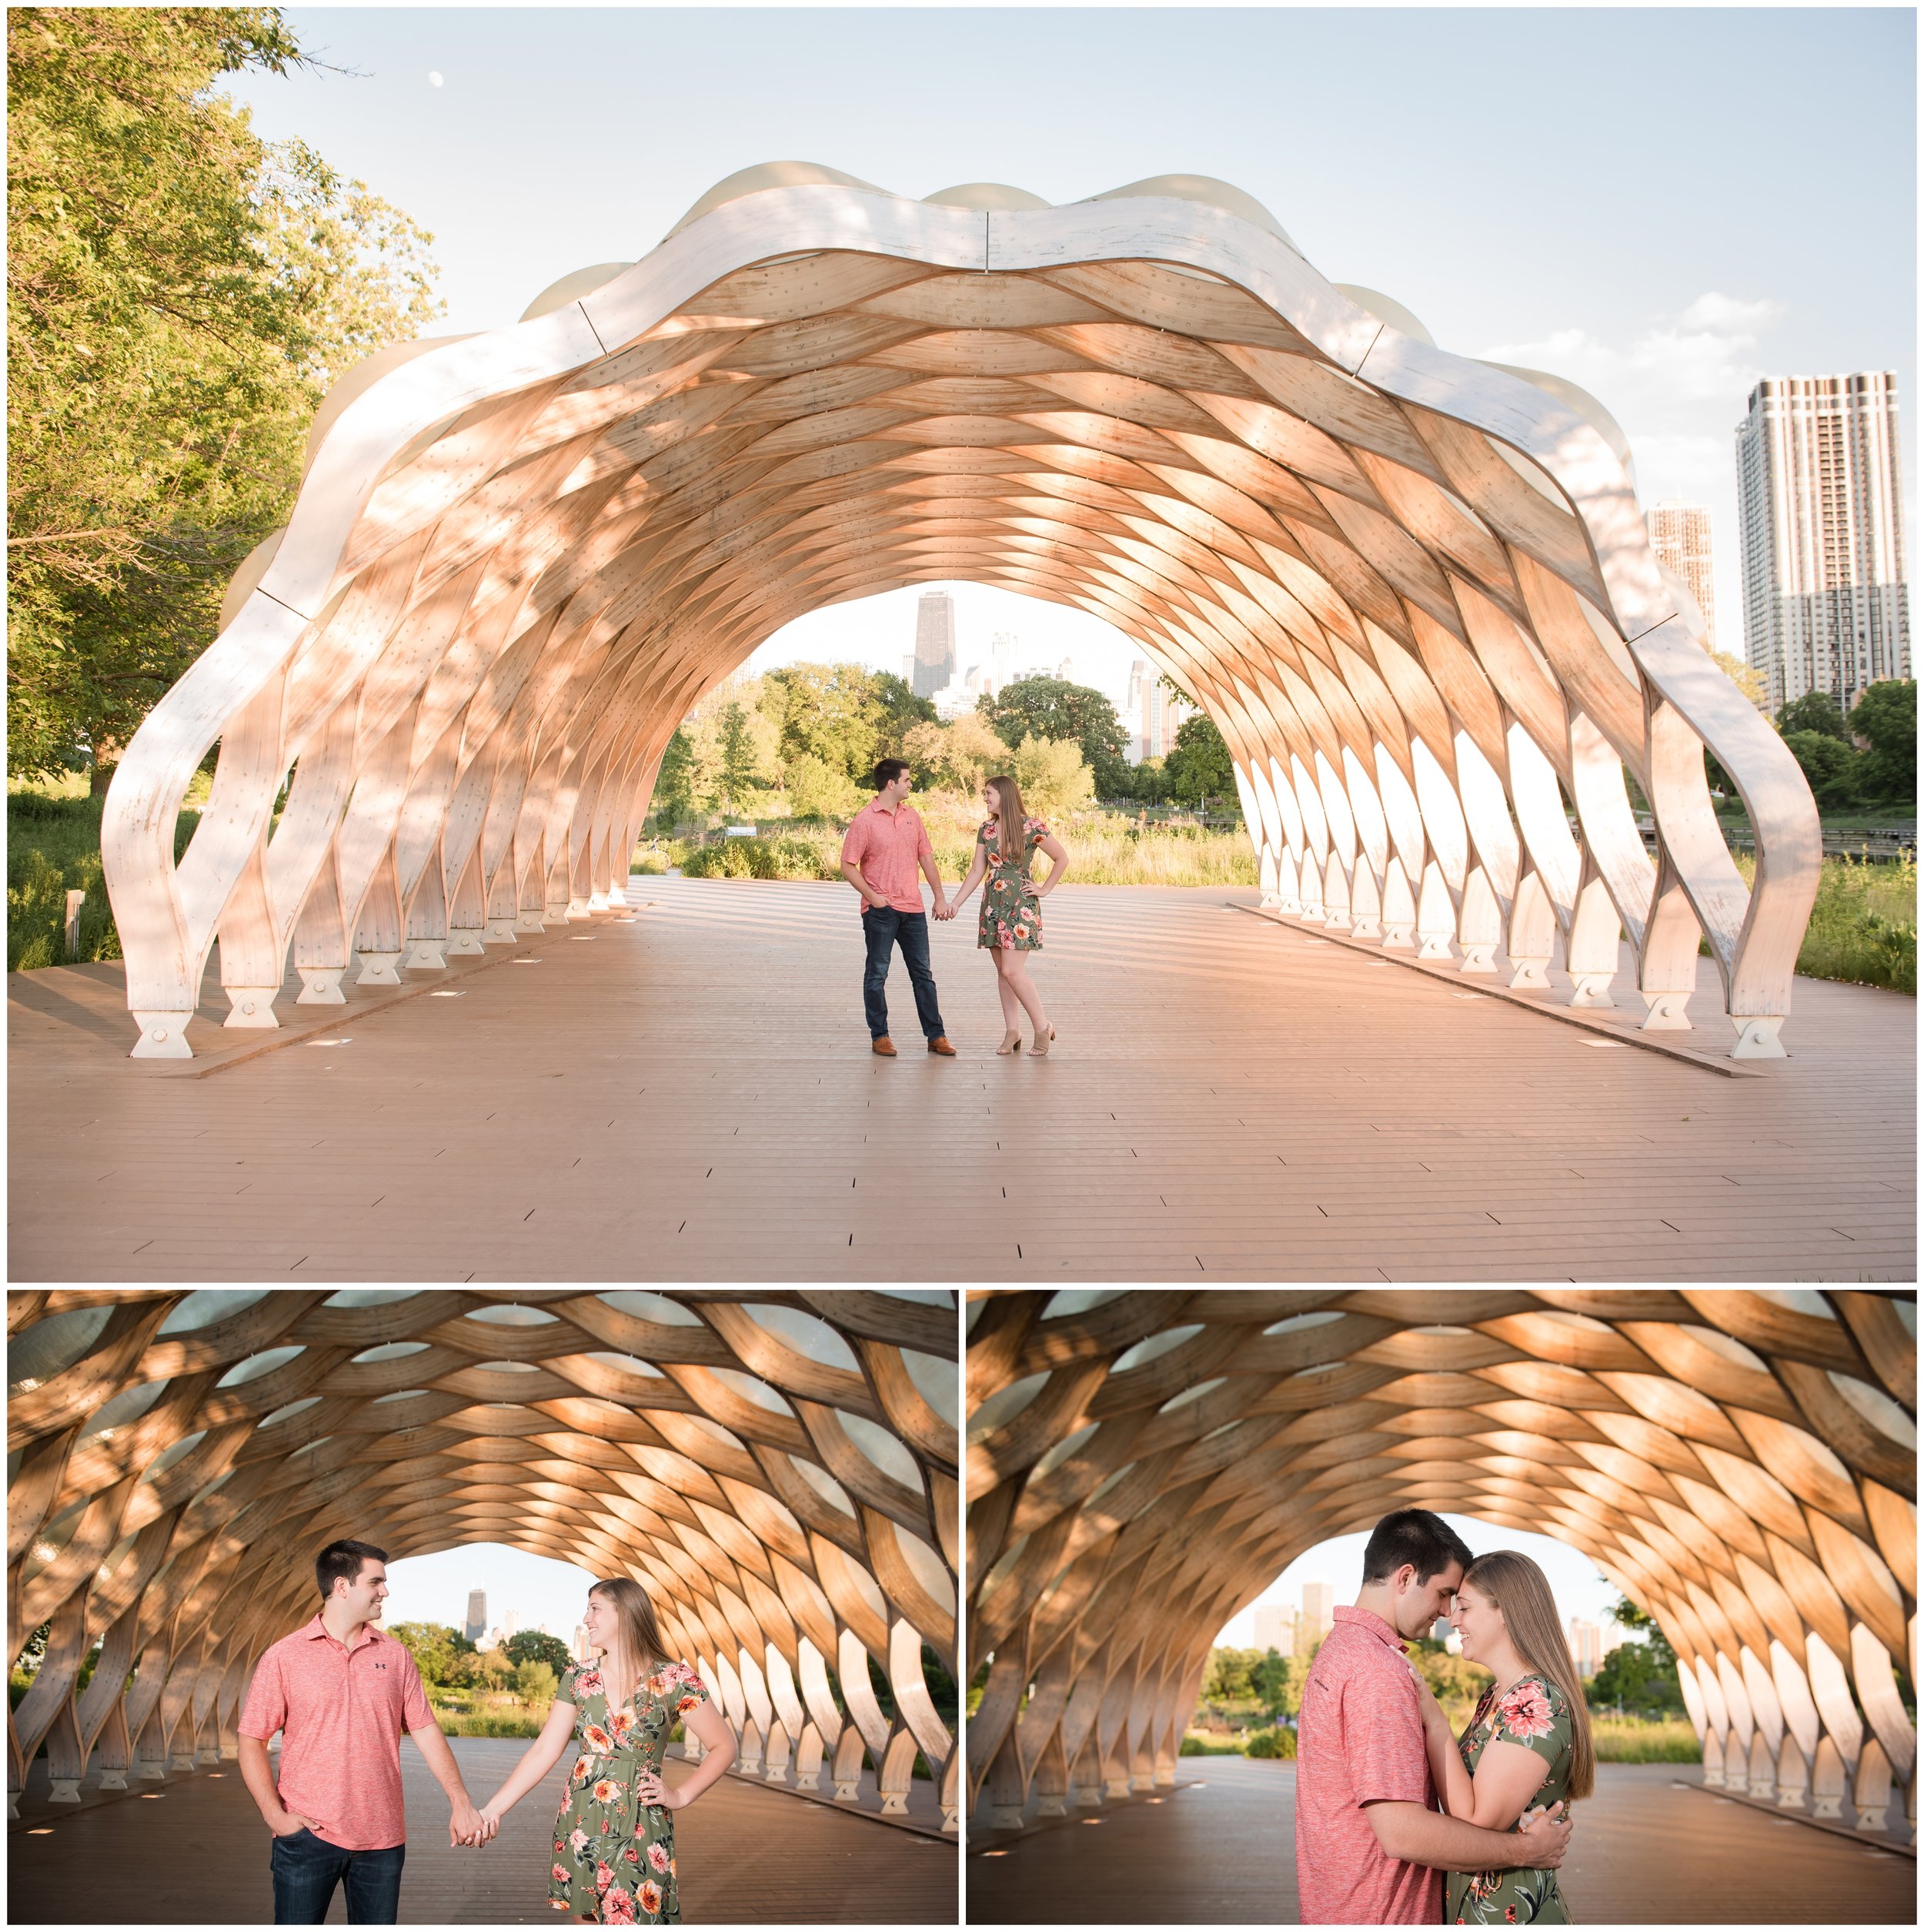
[(884, 928), (307, 1869)]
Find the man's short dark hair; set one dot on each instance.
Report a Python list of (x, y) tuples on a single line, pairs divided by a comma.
[(1416, 1536), (341, 1563), (887, 771)]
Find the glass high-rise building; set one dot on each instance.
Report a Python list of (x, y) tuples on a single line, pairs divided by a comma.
[(1680, 535), (477, 1622), (1820, 503), (934, 642)]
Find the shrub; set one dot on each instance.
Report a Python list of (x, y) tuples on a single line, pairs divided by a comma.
[(1199, 1744), (1053, 780), (1863, 926), (1641, 1740), (1275, 1741)]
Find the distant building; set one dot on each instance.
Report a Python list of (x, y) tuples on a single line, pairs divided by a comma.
[(1002, 650), (934, 642), (1319, 1601), (578, 1644), (1276, 1628), (1680, 535), (1153, 716), (1590, 1643), (510, 1624), (477, 1616), (1820, 500), (908, 669)]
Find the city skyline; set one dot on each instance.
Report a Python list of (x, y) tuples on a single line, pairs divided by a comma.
[(1668, 310), (535, 1590)]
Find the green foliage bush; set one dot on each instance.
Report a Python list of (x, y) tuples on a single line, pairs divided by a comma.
[(53, 845), (1277, 1741), (1643, 1741), (1863, 926)]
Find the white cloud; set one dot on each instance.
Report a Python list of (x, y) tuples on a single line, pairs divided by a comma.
[(1679, 387), (434, 80)]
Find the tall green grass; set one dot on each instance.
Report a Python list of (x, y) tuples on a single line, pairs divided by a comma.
[(1863, 928), (1644, 1740)]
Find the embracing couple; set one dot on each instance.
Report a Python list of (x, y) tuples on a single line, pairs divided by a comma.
[(340, 1692), (1399, 1821), (887, 845)]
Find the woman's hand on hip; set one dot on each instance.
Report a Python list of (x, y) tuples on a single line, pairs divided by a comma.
[(653, 1790)]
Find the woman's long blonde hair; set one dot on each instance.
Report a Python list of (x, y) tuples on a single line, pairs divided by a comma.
[(1008, 812), (642, 1653), (1521, 1592)]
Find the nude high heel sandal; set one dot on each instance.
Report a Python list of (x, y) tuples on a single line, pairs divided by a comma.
[(1040, 1050), (1011, 1042)]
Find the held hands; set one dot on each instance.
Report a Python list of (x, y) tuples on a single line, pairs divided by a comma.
[(944, 910), (652, 1789), (468, 1826), (1543, 1835)]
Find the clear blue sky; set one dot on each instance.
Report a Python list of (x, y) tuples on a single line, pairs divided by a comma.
[(1662, 204), (1579, 1590)]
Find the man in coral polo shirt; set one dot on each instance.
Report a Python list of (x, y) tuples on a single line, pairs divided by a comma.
[(1370, 1846), (341, 1692), (885, 847)]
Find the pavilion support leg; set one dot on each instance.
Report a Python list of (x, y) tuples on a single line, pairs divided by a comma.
[(1435, 917), (1594, 934), (502, 909), (253, 1006), (1399, 909), (1366, 903), (808, 1759), (1052, 1780), (322, 954), (1266, 877), (1533, 933), (379, 969), (1757, 1037), (1793, 1775), (847, 1770), (163, 1036), (1336, 894), (1479, 924), (1085, 1779)]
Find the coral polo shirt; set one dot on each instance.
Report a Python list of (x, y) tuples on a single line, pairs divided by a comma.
[(1359, 1739), (341, 1710), (886, 847)]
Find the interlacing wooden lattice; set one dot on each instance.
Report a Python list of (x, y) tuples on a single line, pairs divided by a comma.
[(1414, 590), (777, 1468), (1142, 1464)]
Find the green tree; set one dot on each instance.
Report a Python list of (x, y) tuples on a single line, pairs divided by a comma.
[(1833, 767), (535, 1680), (1050, 707), (1640, 1675), (1147, 783), (826, 711), (1227, 1676), (740, 767), (493, 1668), (959, 755), (1886, 716), (181, 295), (674, 800), (431, 1646), (1051, 777), (899, 710), (536, 1646), (1746, 677), (1814, 711), (1199, 766)]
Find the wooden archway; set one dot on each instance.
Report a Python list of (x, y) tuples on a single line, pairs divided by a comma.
[(1141, 1465), (1414, 590), (777, 1468)]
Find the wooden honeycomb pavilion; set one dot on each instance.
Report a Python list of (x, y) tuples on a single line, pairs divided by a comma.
[(1142, 1464), (777, 1468), (1414, 590)]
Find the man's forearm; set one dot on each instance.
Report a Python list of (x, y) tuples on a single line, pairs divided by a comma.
[(1423, 1837), (258, 1774)]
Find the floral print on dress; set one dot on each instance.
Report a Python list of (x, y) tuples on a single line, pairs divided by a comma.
[(615, 1856), (1535, 1713), (1011, 914)]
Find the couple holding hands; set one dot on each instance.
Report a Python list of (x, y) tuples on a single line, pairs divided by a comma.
[(341, 1692), (887, 845)]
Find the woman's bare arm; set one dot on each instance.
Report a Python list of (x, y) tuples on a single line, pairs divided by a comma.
[(719, 1742), (1058, 857), (968, 884), (536, 1762)]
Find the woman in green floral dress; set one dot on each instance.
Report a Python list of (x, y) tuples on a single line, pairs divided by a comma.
[(614, 1841), (1011, 925), (1527, 1745)]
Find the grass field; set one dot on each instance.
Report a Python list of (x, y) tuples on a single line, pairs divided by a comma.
[(1619, 1740), (1863, 928)]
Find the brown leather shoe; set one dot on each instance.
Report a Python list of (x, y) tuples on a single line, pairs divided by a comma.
[(940, 1044), (883, 1045)]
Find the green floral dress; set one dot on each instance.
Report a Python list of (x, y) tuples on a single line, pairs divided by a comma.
[(1011, 914), (1532, 1713), (614, 1857)]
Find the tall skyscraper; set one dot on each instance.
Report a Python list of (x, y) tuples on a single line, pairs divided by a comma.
[(1319, 1599), (908, 669), (1680, 535), (934, 642), (1820, 503), (477, 1621), (1002, 650), (578, 1644), (1276, 1628), (1152, 715)]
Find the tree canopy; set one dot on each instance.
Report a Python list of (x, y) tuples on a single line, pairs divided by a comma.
[(536, 1646), (1814, 711), (1198, 764), (181, 295), (1052, 708)]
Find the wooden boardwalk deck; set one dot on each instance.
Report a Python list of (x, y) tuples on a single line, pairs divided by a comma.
[(690, 1096), (193, 1851), (1221, 1849)]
